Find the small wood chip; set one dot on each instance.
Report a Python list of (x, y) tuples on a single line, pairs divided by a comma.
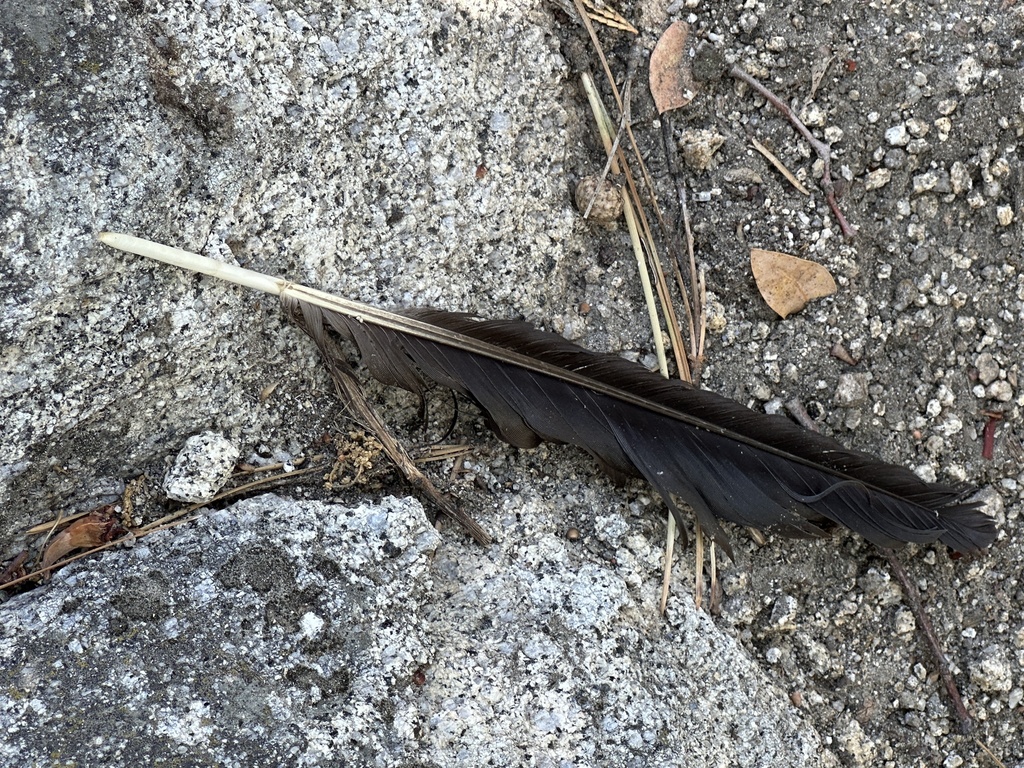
[(672, 83)]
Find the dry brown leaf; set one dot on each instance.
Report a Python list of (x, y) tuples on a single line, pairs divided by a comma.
[(672, 83), (94, 529), (788, 283), (15, 569)]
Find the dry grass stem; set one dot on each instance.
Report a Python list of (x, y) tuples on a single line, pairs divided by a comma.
[(999, 763), (644, 244)]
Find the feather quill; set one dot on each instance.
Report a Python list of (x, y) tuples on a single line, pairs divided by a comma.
[(720, 458)]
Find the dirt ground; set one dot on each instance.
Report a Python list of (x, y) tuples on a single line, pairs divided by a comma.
[(922, 105)]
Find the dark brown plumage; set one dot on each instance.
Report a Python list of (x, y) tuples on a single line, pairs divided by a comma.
[(719, 457)]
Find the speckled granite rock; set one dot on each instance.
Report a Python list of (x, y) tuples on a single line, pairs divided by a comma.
[(424, 152), (290, 633), (367, 150)]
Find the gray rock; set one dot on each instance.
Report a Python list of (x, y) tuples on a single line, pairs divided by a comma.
[(897, 135), (281, 632), (202, 467), (338, 147)]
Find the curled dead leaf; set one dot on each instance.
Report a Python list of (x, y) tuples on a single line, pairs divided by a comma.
[(15, 569), (672, 83), (788, 283), (98, 527)]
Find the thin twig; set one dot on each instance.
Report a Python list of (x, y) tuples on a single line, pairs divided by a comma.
[(990, 753), (820, 147), (913, 598), (160, 524), (779, 166), (351, 393)]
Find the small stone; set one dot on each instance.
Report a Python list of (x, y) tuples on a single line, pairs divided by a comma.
[(813, 116), (699, 147), (749, 22), (1004, 214), (960, 178), (895, 159), (784, 612), (897, 135), (924, 182), (607, 198), (917, 146), (852, 389), (917, 128), (926, 472), (310, 625), (992, 671), (833, 135), (943, 126), (856, 743), (611, 528), (988, 368), (717, 320), (1000, 391), (946, 106), (951, 425), (1000, 168), (905, 623), (1015, 698), (968, 75), (202, 468), (760, 390)]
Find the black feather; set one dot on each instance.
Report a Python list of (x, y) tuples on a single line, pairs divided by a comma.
[(722, 459)]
